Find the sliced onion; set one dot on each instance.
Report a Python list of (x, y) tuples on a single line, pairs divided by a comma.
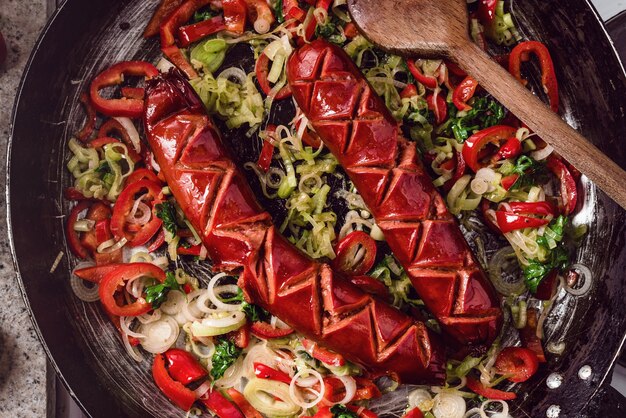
[(498, 261), (213, 292), (132, 351), (211, 326), (174, 302), (203, 389), (502, 414), (473, 412), (205, 349), (260, 353), (557, 348), (261, 25), (585, 275), (448, 405), (84, 293), (232, 375), (164, 65), (350, 384), (144, 209), (270, 397), (191, 310), (295, 397), (147, 318), (160, 335), (236, 73), (420, 398), (128, 124), (125, 322), (542, 154), (111, 245)]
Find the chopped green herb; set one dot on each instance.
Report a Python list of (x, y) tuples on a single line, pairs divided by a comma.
[(341, 411), (531, 172), (202, 14), (167, 213), (485, 112), (103, 168), (157, 293), (226, 353), (536, 271), (253, 312)]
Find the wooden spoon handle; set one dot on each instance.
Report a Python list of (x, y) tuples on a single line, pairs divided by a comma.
[(547, 124)]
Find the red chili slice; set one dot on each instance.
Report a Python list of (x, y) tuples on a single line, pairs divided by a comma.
[(193, 33), (348, 247), (464, 92), (322, 354), (487, 11), (240, 337), (97, 212), (219, 405), (263, 371), (235, 15), (157, 242), (427, 80), (114, 279), (265, 158), (522, 53), (475, 144), (519, 362), (438, 106), (323, 413), (508, 221), (142, 174), (123, 206), (243, 404), (112, 126), (175, 19), (459, 170), (73, 238), (95, 274), (531, 208), (511, 149), (165, 8), (173, 390), (183, 367), (174, 54), (509, 181), (489, 393), (414, 413), (266, 331), (90, 121), (262, 70), (409, 91), (569, 191), (291, 10), (350, 30), (114, 75)]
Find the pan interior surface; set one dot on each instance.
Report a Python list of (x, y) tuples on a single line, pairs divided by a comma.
[(85, 37)]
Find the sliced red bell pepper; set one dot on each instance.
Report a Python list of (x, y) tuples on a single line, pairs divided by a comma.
[(348, 247), (242, 403), (427, 80), (291, 10), (123, 206), (142, 174), (156, 243), (322, 354), (508, 181), (475, 144), (266, 331), (531, 208), (263, 371), (95, 274), (240, 337), (193, 33), (174, 54), (90, 121), (265, 158), (234, 15), (219, 405), (350, 30), (73, 238), (439, 107), (110, 127), (262, 70), (118, 277), (414, 413), (528, 335), (194, 250), (371, 285), (521, 53), (490, 393), (409, 91), (569, 191), (464, 92), (97, 212), (323, 412), (165, 8), (173, 390), (459, 170), (323, 4), (511, 149), (487, 11), (521, 363), (508, 221), (133, 92), (103, 230), (114, 75), (178, 17), (183, 367)]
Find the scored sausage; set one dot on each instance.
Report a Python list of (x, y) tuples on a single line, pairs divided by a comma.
[(353, 121), (240, 237)]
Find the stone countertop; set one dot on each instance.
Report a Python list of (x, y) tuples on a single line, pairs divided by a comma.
[(22, 359)]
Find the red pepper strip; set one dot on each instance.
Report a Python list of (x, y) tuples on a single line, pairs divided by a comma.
[(95, 274), (485, 206), (192, 33), (235, 15), (175, 391), (114, 75), (511, 149), (521, 53), (323, 4), (519, 362), (459, 170), (157, 242), (487, 11), (408, 92), (73, 239), (350, 30), (242, 403), (569, 191), (183, 367), (323, 413), (528, 335), (547, 286), (348, 247), (103, 230), (362, 412), (366, 389), (371, 285), (178, 17), (455, 69), (427, 80), (463, 93), (265, 158), (111, 126), (438, 106), (334, 390), (478, 141), (97, 212), (133, 92), (240, 337), (322, 354), (489, 393), (115, 320), (263, 371), (123, 206), (531, 208), (165, 8), (508, 221), (291, 10), (174, 54), (262, 70), (219, 405), (118, 277), (194, 250), (509, 181), (266, 331), (90, 122), (414, 413), (142, 174)]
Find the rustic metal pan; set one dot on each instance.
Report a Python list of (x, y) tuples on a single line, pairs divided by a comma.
[(84, 37)]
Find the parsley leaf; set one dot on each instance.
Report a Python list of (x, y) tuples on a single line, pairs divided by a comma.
[(340, 411), (253, 312), (485, 112), (157, 293), (226, 353), (202, 14), (536, 271), (531, 172), (278, 11), (167, 213)]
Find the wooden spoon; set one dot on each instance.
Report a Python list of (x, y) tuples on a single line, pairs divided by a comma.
[(439, 28)]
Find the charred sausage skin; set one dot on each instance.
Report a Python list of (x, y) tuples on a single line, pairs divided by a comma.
[(240, 237), (360, 131)]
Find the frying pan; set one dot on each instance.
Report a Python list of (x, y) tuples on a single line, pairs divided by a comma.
[(84, 37)]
